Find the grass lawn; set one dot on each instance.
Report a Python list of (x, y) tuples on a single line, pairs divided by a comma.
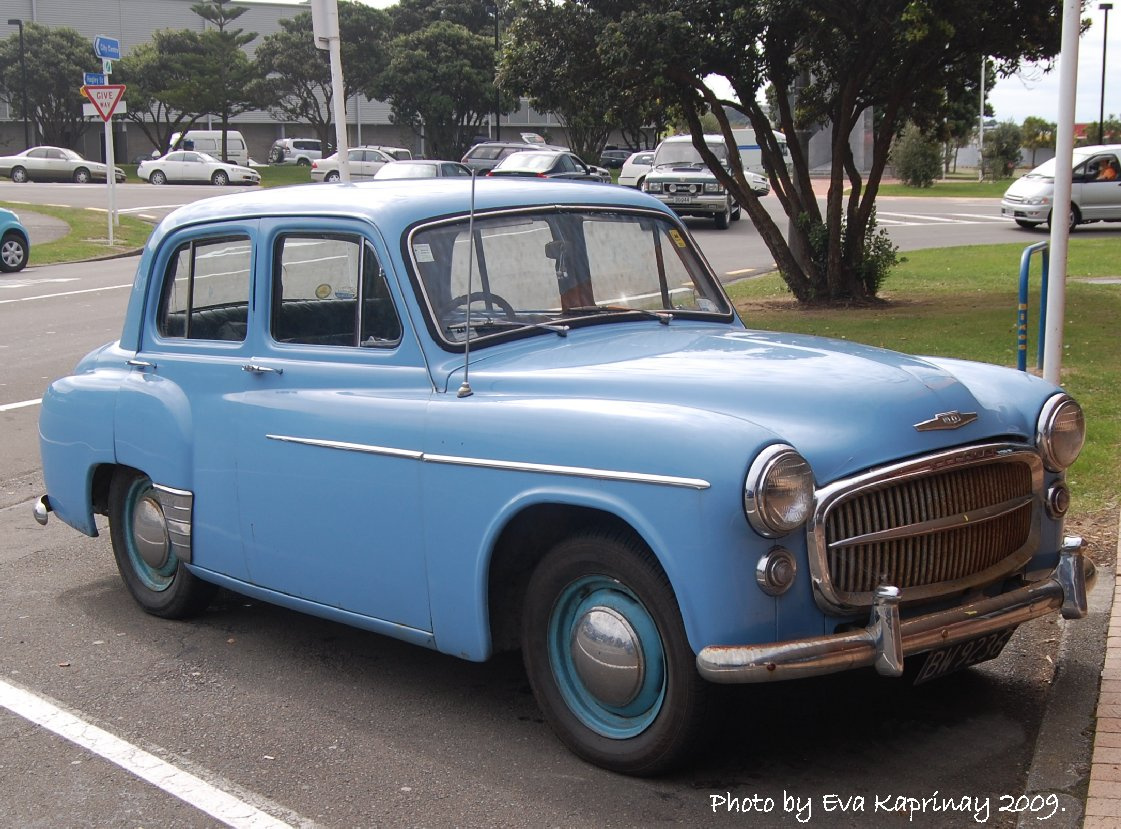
[(951, 188), (961, 302), (88, 237)]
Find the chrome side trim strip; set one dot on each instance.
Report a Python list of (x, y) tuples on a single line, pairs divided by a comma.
[(388, 451), (510, 466)]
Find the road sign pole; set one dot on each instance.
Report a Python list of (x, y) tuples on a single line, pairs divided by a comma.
[(110, 177)]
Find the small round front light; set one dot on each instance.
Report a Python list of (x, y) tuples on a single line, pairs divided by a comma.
[(778, 491), (1061, 432), (776, 571)]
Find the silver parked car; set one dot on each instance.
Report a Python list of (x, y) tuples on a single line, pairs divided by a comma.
[(197, 168), (54, 164)]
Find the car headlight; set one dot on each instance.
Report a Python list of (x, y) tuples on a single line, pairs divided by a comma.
[(652, 186), (713, 187), (1060, 433), (778, 492), (1037, 200)]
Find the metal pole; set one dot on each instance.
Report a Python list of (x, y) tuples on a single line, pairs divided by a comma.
[(497, 93), (1105, 7), (23, 84), (1060, 210), (981, 128)]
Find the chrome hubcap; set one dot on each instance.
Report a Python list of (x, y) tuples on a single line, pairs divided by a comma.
[(149, 532), (607, 656)]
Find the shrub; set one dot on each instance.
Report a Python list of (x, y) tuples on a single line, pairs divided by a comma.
[(917, 157)]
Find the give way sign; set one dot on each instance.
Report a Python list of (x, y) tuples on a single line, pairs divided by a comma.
[(105, 98)]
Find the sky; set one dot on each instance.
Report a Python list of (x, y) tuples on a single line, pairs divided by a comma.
[(1032, 92)]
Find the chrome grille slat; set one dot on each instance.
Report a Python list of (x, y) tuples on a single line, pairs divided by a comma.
[(930, 527)]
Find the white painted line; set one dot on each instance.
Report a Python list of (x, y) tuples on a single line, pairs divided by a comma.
[(921, 217), (65, 293), (981, 216), (193, 790), (739, 272), (151, 207), (23, 404)]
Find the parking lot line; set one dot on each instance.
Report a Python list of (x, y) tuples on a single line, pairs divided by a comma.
[(23, 404), (193, 790)]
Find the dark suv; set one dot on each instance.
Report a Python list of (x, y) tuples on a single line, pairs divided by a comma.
[(483, 156)]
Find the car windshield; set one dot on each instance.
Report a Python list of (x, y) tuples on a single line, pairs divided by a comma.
[(1047, 168), (404, 170), (541, 271), (683, 152), (537, 162)]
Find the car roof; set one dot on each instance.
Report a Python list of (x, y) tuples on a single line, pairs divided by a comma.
[(395, 204)]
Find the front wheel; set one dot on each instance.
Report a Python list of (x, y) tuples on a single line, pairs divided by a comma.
[(1028, 225), (13, 252), (157, 177), (607, 656), (219, 179), (82, 176), (722, 219), (1075, 217), (159, 582)]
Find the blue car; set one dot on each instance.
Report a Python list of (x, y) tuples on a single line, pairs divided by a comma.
[(15, 246), (498, 415)]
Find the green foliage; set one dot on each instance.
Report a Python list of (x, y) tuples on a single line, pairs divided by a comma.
[(1037, 134), (163, 91), (1112, 132), (1002, 150), (873, 256), (55, 59), (440, 81), (917, 158), (297, 74)]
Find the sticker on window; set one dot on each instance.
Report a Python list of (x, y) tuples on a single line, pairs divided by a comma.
[(423, 252), (322, 291), (346, 292), (676, 238)]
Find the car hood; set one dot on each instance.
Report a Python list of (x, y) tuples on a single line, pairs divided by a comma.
[(825, 397), (1033, 184)]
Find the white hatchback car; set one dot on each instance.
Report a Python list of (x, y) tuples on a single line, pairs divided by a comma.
[(196, 168), (635, 167), (1095, 191)]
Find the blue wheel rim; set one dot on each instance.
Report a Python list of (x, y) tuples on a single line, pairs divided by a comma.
[(156, 579), (612, 721)]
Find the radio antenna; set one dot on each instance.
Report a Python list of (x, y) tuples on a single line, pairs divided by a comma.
[(465, 386)]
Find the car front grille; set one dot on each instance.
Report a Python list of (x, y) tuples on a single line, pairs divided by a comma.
[(932, 527), (1013, 199)]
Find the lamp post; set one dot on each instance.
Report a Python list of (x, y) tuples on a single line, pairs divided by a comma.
[(23, 83), (497, 94), (1105, 7)]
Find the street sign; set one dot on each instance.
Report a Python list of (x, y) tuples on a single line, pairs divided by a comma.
[(93, 79), (107, 48), (106, 67), (105, 98)]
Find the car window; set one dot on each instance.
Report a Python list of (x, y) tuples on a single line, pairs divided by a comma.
[(206, 290), (456, 170), (487, 152), (306, 145), (56, 155), (331, 290), (192, 157), (565, 164), (39, 153)]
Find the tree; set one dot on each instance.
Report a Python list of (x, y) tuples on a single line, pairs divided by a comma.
[(1002, 149), (163, 90), (440, 81), (55, 60), (1111, 134), (916, 157), (297, 74), (1037, 134), (901, 58), (229, 81)]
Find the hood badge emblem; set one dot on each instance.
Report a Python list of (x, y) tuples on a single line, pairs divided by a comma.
[(946, 420)]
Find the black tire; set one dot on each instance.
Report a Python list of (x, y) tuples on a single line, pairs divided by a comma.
[(737, 213), (13, 252), (333, 177), (18, 175), (1075, 217), (722, 219), (303, 161), (276, 155), (1028, 225), (650, 725), (219, 179), (163, 587), (82, 176), (157, 177)]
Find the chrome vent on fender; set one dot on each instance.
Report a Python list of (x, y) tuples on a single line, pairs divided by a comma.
[(932, 527)]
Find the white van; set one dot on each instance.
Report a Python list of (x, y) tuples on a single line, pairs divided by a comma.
[(751, 155), (1095, 190), (210, 142)]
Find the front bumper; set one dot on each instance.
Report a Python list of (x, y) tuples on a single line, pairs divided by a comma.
[(887, 640), (1026, 212)]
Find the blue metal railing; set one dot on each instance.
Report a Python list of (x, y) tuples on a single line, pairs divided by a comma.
[(1022, 312)]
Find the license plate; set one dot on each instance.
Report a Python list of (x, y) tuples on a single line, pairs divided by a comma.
[(963, 654), (679, 200)]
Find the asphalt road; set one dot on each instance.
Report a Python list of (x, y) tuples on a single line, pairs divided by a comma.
[(255, 711)]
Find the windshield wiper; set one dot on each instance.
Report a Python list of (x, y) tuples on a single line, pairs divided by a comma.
[(663, 317), (499, 322)]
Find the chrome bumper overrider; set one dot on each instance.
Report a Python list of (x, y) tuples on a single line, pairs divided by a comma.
[(887, 640)]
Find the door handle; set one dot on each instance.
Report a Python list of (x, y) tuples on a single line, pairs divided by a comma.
[(256, 369), (140, 364)]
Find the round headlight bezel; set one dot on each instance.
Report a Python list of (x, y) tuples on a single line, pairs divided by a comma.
[(1058, 444), (779, 472)]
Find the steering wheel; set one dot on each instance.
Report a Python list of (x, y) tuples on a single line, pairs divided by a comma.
[(485, 296)]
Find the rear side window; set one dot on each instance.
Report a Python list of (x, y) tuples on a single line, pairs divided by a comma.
[(206, 290), (331, 290)]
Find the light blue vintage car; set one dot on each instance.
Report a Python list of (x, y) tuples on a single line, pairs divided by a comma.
[(483, 416)]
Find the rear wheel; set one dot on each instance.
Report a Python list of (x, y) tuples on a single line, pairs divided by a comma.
[(332, 177), (607, 656), (303, 161), (157, 177), (159, 582), (13, 252)]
